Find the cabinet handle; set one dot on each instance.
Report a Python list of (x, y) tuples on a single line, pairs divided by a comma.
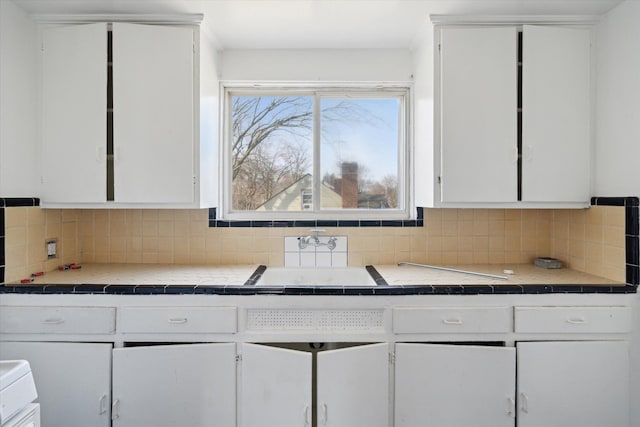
[(178, 320), (103, 404), (53, 321), (524, 404), (511, 407), (452, 321), (324, 415), (115, 410), (577, 320), (306, 415)]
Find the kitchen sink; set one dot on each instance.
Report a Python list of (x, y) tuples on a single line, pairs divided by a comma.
[(329, 276)]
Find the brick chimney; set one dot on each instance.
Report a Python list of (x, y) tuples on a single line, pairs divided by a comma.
[(349, 185)]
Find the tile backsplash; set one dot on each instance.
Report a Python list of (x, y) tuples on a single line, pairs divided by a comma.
[(590, 240), (316, 256)]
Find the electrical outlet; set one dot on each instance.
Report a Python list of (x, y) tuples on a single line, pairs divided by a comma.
[(52, 248)]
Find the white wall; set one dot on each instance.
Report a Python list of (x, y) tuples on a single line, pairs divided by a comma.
[(18, 104), (617, 102), (209, 114), (617, 151), (336, 65)]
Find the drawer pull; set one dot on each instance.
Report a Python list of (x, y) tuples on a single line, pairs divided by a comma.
[(103, 405), (178, 320), (115, 410), (452, 321), (53, 321), (511, 407), (524, 404), (324, 418), (577, 320)]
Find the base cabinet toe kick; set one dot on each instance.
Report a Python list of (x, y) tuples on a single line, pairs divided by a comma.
[(388, 361)]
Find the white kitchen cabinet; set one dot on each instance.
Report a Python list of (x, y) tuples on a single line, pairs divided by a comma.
[(73, 380), (556, 114), (143, 150), (192, 384), (74, 114), (478, 92), (495, 149), (454, 385), (352, 387), (276, 387), (555, 384), (573, 384)]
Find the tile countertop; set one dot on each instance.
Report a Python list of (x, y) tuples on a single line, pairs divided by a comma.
[(521, 274), (240, 280)]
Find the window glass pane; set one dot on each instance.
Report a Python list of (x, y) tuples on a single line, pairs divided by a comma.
[(359, 153), (272, 152)]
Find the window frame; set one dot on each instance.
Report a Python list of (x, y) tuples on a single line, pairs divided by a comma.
[(406, 203)]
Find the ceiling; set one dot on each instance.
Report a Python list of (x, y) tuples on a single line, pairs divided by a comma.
[(293, 24)]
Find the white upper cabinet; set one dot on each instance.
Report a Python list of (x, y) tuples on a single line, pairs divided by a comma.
[(120, 115), (479, 114), (153, 114), (74, 114), (513, 117), (556, 110)]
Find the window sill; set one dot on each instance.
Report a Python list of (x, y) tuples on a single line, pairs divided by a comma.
[(218, 223)]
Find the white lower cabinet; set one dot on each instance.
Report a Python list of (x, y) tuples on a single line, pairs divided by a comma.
[(171, 385), (555, 384), (454, 385), (582, 384), (73, 380), (351, 387)]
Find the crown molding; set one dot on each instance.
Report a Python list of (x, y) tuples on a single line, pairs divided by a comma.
[(175, 19), (514, 19)]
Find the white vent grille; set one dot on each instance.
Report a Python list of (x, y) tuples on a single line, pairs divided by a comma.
[(323, 320)]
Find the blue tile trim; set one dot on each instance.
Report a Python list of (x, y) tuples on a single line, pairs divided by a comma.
[(13, 202), (310, 290), (214, 222)]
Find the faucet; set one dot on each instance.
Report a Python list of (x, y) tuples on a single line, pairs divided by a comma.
[(314, 240)]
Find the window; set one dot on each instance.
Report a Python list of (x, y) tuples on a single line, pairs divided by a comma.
[(315, 153)]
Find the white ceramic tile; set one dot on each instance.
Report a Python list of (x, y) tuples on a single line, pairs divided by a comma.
[(339, 259), (291, 244), (292, 259), (307, 259), (341, 244), (323, 259)]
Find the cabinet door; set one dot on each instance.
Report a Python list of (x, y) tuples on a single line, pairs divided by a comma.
[(555, 108), (187, 385), (276, 387), (573, 384), (153, 113), (353, 386), (454, 386), (74, 112), (478, 95), (73, 380)]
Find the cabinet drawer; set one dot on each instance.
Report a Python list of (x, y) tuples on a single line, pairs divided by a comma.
[(57, 320), (178, 320), (573, 319), (410, 320)]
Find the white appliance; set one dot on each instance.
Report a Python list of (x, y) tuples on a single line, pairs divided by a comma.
[(17, 392)]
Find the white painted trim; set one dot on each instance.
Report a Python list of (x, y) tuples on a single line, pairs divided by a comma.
[(514, 19), (192, 18)]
